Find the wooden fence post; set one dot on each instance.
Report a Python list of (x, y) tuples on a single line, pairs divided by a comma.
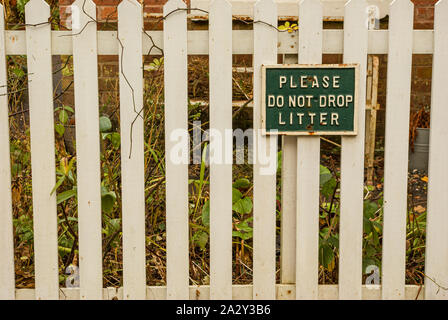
[(221, 173), (396, 149), (176, 117), (40, 88), (436, 268), (130, 28), (352, 160), (308, 164), (7, 272), (265, 190), (85, 65)]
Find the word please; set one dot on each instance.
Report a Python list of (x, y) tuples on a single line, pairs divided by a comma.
[(309, 82), (301, 101)]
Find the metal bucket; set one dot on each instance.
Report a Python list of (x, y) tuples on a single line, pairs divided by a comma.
[(419, 158)]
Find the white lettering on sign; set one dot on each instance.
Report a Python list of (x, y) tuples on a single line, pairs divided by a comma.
[(325, 118), (339, 101), (310, 82)]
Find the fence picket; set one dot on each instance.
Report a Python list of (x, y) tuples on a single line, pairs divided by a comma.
[(352, 160), (308, 164), (265, 52), (40, 90), (437, 219), (176, 114), (130, 26), (288, 190), (220, 33), (396, 148), (87, 150), (7, 278)]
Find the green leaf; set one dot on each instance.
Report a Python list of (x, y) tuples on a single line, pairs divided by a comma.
[(58, 184), (69, 109), (200, 239), (325, 175), (326, 255), (115, 138), (19, 72), (63, 116), (206, 214), (64, 196), (243, 206), (242, 183), (370, 208), (328, 188), (108, 199), (105, 124), (60, 129), (236, 195)]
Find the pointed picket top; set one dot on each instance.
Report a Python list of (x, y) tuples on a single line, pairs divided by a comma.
[(264, 8), (129, 6), (83, 11), (36, 12), (85, 6), (356, 5), (172, 5), (402, 4), (441, 12), (311, 4), (220, 5), (2, 17), (441, 4), (355, 16), (401, 7)]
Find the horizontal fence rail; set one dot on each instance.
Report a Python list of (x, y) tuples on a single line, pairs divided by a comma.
[(242, 42), (300, 227)]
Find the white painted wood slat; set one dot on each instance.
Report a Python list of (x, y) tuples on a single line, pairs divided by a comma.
[(352, 160), (88, 150), (242, 42), (130, 26), (265, 52), (288, 190), (396, 148), (40, 90), (308, 164), (221, 168), (437, 220), (240, 292), (7, 279), (176, 137)]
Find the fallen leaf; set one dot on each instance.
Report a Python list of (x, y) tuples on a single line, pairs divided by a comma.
[(419, 209), (425, 178)]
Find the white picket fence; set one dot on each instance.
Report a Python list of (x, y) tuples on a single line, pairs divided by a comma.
[(299, 263)]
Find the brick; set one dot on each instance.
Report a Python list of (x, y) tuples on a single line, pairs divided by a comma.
[(422, 60), (155, 2), (422, 73), (106, 2), (332, 58), (152, 9), (421, 87), (427, 3), (107, 13)]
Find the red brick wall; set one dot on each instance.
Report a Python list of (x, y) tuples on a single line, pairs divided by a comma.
[(421, 70), (107, 9)]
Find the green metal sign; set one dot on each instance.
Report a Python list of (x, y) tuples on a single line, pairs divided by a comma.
[(310, 99)]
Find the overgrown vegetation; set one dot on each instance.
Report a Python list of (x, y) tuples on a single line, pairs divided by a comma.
[(199, 209)]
